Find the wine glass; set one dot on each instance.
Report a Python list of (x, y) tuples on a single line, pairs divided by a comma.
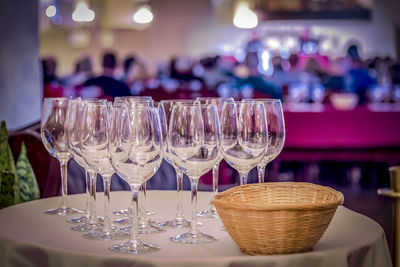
[(53, 132), (137, 101), (75, 116), (193, 140), (244, 135), (211, 212), (276, 134), (165, 108), (146, 225), (136, 153), (94, 139)]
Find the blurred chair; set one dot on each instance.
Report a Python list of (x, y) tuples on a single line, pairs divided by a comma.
[(45, 167)]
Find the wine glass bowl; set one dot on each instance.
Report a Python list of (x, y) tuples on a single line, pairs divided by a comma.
[(165, 109), (244, 135), (94, 142), (276, 134), (211, 212), (53, 127), (135, 153), (193, 141), (75, 117)]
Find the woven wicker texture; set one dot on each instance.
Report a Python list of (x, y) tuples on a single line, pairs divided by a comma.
[(277, 218)]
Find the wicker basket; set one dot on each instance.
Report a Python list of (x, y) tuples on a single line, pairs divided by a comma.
[(277, 218)]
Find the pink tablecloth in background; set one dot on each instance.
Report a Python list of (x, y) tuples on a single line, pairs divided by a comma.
[(327, 128)]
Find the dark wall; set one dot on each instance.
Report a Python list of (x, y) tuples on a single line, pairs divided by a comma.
[(20, 78)]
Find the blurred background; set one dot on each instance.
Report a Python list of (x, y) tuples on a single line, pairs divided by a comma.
[(333, 63)]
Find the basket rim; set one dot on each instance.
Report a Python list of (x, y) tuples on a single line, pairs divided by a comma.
[(287, 206)]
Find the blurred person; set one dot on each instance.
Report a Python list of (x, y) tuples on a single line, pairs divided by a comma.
[(248, 76), (394, 70), (49, 66), (357, 79), (83, 71), (135, 74), (110, 87), (278, 76), (212, 74), (51, 84), (128, 64), (310, 50), (180, 68)]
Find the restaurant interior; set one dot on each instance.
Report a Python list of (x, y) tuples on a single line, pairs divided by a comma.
[(333, 64)]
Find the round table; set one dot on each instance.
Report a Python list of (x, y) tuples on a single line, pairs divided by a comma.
[(28, 237)]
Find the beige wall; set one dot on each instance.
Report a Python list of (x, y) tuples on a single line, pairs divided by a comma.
[(169, 34), (195, 28)]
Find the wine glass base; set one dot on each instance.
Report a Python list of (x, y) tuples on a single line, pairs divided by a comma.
[(81, 219), (150, 212), (87, 226), (176, 223), (122, 212), (134, 247), (84, 219), (151, 227), (102, 234), (210, 214), (123, 221), (63, 211), (196, 238), (125, 212)]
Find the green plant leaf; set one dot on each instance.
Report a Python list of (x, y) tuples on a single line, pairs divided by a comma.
[(28, 186), (7, 192), (8, 175)]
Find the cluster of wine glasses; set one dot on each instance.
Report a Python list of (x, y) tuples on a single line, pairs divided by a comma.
[(132, 135)]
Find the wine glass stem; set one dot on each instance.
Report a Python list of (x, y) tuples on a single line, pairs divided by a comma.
[(64, 184), (106, 184), (243, 178), (144, 201), (215, 172), (134, 213), (194, 185), (88, 199), (179, 187), (261, 173), (142, 215), (93, 180)]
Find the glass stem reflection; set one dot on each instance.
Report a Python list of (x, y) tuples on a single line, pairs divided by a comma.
[(243, 178), (107, 220), (93, 180), (194, 186), (261, 173), (144, 201), (134, 211), (64, 184), (215, 173), (88, 199), (142, 220), (179, 187)]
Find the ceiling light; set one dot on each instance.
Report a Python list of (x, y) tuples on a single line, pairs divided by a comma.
[(143, 15), (245, 18), (51, 11), (82, 13)]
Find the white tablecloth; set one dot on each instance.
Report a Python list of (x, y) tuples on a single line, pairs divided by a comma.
[(28, 237)]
